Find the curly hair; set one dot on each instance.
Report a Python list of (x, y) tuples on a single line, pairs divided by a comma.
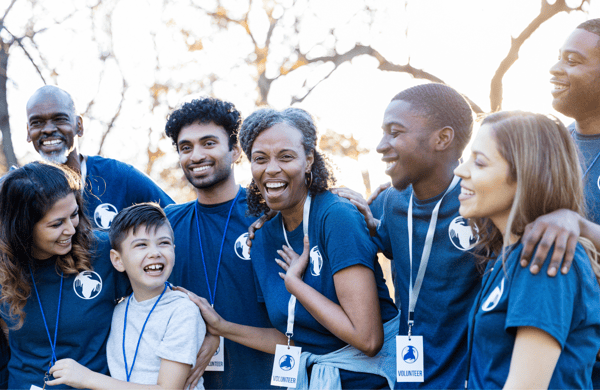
[(442, 106), (265, 118), (205, 110), (26, 195)]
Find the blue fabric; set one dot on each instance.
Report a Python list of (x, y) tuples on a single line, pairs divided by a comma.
[(326, 368), (567, 307), (449, 287), (111, 185), (235, 301), (338, 239), (84, 324)]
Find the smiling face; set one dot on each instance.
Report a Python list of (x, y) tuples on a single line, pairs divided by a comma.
[(576, 76), (279, 166), (148, 256), (487, 191), (52, 234), (405, 145), (204, 155), (52, 125)]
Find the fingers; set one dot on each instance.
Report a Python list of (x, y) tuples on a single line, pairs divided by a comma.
[(531, 236), (378, 191), (192, 379), (569, 254), (541, 252), (179, 288), (560, 247)]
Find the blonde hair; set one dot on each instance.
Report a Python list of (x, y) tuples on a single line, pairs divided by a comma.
[(543, 160)]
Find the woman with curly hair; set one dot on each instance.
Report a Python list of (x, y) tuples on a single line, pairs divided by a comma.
[(58, 285), (344, 319), (527, 331)]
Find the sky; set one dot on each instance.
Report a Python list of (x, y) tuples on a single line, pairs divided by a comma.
[(462, 42)]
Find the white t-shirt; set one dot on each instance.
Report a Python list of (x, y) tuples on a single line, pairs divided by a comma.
[(175, 331)]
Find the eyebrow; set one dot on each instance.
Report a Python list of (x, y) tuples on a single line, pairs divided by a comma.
[(387, 125), (209, 136), (62, 219), (53, 115)]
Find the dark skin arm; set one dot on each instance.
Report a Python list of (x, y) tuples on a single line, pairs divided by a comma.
[(256, 225), (561, 228)]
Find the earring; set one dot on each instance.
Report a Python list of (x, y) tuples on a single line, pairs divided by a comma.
[(308, 179)]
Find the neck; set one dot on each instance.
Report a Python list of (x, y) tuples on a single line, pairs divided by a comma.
[(292, 217), (501, 222), (219, 193), (143, 294), (74, 161), (589, 125), (436, 183)]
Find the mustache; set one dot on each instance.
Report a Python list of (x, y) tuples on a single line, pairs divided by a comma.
[(54, 135)]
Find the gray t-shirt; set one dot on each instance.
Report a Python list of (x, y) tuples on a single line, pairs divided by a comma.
[(175, 331)]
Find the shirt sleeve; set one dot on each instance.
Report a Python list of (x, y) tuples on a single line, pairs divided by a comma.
[(382, 238), (540, 301), (146, 189), (347, 240), (181, 340)]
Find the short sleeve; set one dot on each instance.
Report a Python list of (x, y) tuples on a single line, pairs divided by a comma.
[(347, 240), (543, 302), (382, 238), (184, 334), (146, 189)]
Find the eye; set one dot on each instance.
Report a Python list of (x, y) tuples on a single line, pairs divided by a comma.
[(287, 157), (166, 242), (184, 148), (57, 224), (478, 163), (140, 245), (210, 143), (259, 159)]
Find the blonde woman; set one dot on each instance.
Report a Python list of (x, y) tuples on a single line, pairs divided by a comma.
[(527, 333)]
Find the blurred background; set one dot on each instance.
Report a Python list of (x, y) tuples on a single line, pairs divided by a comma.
[(128, 63)]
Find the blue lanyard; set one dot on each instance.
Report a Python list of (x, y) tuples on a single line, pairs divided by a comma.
[(53, 358), (211, 295), (128, 372)]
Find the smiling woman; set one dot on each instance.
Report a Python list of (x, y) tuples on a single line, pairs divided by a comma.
[(54, 303)]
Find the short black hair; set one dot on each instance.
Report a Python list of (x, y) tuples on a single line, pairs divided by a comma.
[(592, 25), (205, 110), (442, 106), (131, 218)]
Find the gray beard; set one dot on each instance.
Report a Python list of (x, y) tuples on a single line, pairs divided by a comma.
[(59, 157)]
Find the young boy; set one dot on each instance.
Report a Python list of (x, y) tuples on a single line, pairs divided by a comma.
[(156, 332)]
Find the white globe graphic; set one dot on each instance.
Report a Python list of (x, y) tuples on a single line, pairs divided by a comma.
[(104, 214), (241, 249), (87, 285), (461, 234), (316, 261)]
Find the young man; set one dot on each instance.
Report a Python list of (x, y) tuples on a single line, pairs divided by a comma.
[(156, 332), (110, 185), (210, 240)]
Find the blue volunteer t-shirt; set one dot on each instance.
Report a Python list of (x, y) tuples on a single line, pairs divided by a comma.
[(567, 307), (449, 287), (338, 239), (589, 157), (235, 301), (112, 185), (86, 307)]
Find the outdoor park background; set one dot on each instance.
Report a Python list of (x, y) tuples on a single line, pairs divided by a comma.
[(128, 63)]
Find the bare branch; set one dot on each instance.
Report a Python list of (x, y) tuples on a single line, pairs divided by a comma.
[(296, 99), (114, 118), (7, 11), (18, 40), (547, 11)]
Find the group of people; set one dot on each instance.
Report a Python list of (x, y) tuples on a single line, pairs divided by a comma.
[(494, 259)]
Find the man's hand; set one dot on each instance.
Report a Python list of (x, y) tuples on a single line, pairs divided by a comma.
[(361, 204), (256, 225), (206, 352), (561, 228)]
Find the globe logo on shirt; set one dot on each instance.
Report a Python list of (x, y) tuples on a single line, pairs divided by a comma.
[(598, 182), (104, 214), (492, 300), (286, 362), (242, 250), (461, 234), (87, 285), (410, 354), (316, 261)]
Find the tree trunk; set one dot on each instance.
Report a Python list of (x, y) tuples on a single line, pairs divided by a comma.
[(7, 145)]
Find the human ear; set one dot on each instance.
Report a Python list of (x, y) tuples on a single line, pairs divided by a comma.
[(117, 262), (79, 124), (310, 159), (237, 152), (444, 138)]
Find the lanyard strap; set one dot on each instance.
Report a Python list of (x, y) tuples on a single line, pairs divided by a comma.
[(211, 295), (413, 292), (292, 303), (593, 161), (53, 358), (128, 372)]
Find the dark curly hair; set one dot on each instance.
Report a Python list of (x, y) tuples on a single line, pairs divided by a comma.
[(265, 118), (442, 106), (26, 195), (205, 110)]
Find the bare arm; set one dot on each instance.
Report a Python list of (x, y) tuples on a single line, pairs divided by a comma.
[(560, 228), (357, 319), (262, 339), (172, 375), (533, 360)]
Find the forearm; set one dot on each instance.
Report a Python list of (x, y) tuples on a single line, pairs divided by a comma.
[(262, 339), (591, 231), (97, 381)]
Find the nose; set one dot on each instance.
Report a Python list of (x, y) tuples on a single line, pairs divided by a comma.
[(49, 127), (557, 68), (198, 154), (383, 145), (272, 167), (462, 170), (69, 228), (153, 251)]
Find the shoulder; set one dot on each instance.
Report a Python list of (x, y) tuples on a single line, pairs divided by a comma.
[(101, 244), (180, 304), (177, 210)]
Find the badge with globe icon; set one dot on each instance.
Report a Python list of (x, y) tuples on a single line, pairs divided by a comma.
[(410, 354), (286, 362)]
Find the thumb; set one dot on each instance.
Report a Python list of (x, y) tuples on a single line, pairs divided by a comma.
[(306, 245)]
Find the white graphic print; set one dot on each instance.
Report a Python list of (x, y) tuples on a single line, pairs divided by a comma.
[(87, 285), (493, 299), (104, 214), (241, 249), (461, 234), (316, 261)]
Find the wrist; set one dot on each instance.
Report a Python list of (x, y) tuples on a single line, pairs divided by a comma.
[(291, 283)]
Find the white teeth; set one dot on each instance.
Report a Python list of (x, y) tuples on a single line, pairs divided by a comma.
[(558, 87), (153, 267), (464, 191), (52, 142), (274, 185), (200, 169), (390, 164), (64, 241)]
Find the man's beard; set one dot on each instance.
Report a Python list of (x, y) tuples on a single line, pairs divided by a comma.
[(59, 157)]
